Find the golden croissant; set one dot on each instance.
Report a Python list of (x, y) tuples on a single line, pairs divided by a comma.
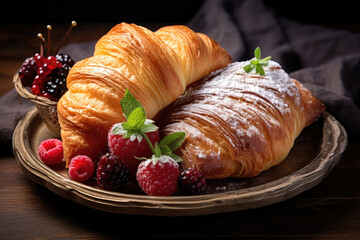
[(155, 66), (239, 124)]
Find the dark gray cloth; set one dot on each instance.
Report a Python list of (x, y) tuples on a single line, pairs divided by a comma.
[(12, 109), (327, 61)]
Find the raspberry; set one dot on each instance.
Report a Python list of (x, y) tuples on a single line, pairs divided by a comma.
[(81, 168), (192, 182), (51, 151), (158, 176), (112, 174), (127, 149)]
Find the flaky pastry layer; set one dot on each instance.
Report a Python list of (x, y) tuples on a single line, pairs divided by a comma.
[(239, 124), (155, 66)]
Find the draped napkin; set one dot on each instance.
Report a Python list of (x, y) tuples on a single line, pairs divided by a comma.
[(326, 61)]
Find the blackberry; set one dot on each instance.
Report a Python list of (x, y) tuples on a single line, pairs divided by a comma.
[(55, 85), (112, 174), (192, 182), (65, 60), (28, 71)]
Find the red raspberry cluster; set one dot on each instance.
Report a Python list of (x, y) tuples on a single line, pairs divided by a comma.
[(158, 177)]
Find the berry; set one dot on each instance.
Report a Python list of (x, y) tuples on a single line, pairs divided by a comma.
[(112, 174), (39, 59), (43, 70), (50, 76), (51, 71), (51, 151), (128, 150), (39, 81), (192, 182), (65, 60), (35, 89), (51, 62), (158, 176), (81, 168), (28, 71), (55, 86)]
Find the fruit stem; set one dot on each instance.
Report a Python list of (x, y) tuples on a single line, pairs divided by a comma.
[(48, 37), (42, 40), (149, 142), (73, 24)]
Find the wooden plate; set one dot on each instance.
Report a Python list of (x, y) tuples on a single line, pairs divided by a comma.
[(316, 151)]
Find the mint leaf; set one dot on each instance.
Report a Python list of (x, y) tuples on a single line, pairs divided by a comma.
[(165, 150), (132, 128), (260, 70), (157, 150), (257, 63), (149, 128), (129, 103), (137, 126), (173, 140), (257, 53), (248, 68), (254, 62), (176, 158), (266, 59), (136, 119)]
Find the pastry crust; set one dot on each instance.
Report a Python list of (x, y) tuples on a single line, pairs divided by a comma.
[(239, 124), (155, 67)]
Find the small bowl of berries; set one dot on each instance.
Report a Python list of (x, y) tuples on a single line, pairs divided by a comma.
[(42, 80)]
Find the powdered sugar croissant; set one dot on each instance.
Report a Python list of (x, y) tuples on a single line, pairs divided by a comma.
[(155, 67), (239, 124)]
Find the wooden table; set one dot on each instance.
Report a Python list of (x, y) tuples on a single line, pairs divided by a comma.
[(330, 210)]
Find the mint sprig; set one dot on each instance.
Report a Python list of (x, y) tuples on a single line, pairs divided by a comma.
[(257, 63), (137, 125), (170, 143), (129, 103)]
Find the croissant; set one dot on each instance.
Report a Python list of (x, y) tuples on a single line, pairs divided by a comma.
[(155, 66), (239, 124)]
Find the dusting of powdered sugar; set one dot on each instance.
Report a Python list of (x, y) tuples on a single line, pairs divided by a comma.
[(275, 86), (242, 101)]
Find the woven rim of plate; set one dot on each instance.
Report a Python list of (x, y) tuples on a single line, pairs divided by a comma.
[(25, 93), (333, 145)]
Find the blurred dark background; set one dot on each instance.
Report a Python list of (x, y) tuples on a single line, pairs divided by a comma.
[(329, 13), (20, 21)]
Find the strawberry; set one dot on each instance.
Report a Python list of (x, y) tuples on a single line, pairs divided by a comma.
[(158, 176)]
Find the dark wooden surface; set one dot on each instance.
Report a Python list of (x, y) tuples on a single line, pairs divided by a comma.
[(330, 210)]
